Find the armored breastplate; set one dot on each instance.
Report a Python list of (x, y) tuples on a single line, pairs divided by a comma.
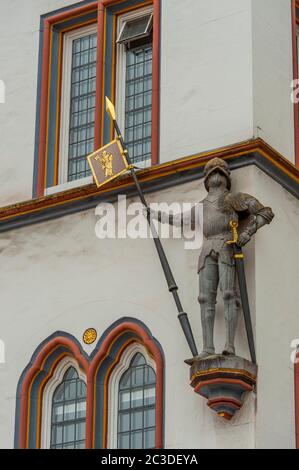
[(216, 220)]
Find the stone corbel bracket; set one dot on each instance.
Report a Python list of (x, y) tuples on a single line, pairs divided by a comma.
[(224, 381)]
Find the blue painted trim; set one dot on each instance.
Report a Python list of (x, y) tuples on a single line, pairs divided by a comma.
[(52, 113), (125, 4), (76, 21)]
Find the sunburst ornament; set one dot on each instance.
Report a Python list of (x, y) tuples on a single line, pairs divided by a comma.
[(89, 336)]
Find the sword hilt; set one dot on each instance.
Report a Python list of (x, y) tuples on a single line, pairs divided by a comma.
[(234, 226)]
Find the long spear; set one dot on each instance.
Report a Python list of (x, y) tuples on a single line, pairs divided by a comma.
[(172, 287)]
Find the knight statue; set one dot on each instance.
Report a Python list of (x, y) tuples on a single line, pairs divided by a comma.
[(217, 264)]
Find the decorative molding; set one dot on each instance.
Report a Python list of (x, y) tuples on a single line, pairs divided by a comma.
[(253, 152)]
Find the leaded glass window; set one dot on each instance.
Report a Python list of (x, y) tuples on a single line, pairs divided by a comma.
[(82, 110), (137, 406), (69, 413), (138, 103)]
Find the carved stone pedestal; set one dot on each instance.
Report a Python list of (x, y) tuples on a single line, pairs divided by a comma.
[(223, 381)]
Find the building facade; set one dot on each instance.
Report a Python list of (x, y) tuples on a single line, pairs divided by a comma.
[(93, 354)]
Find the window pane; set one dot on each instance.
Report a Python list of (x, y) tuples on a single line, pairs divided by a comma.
[(57, 434), (80, 445), (149, 439), (125, 380), (137, 398), (69, 411), (69, 446), (136, 440), (137, 420), (81, 410), (149, 418), (124, 401), (137, 377), (58, 413), (124, 422), (69, 433), (150, 376), (138, 102), (70, 392), (59, 394), (82, 115), (124, 441), (150, 396), (80, 431)]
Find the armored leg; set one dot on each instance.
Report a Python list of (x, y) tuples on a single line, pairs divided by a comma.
[(227, 282), (208, 284)]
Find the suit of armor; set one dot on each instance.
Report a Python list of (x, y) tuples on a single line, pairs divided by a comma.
[(216, 264)]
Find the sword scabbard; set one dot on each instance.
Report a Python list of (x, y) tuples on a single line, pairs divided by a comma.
[(239, 260)]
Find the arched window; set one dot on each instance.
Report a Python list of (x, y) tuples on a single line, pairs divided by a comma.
[(64, 408), (69, 413), (136, 415), (125, 395)]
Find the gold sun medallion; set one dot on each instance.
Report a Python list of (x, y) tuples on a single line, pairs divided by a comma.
[(89, 336)]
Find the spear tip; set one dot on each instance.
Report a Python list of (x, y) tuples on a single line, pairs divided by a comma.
[(110, 109)]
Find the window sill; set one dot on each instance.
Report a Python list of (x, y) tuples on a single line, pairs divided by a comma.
[(69, 185), (143, 164), (87, 180)]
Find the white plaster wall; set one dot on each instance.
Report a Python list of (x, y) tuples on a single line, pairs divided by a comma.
[(59, 276), (206, 75), (272, 74), (277, 300), (19, 43)]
